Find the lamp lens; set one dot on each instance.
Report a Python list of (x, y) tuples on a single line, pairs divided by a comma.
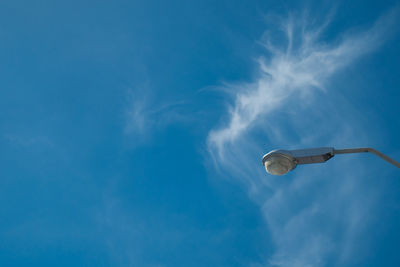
[(278, 165)]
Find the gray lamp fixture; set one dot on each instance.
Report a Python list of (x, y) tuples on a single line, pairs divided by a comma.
[(279, 162)]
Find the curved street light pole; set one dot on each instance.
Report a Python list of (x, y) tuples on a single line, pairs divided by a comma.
[(279, 162), (367, 149)]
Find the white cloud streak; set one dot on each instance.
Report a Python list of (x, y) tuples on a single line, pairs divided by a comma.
[(295, 69), (310, 217), (144, 115)]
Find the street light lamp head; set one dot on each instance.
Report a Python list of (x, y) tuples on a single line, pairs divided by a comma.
[(277, 162), (280, 162)]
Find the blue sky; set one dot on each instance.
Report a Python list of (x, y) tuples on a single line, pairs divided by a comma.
[(132, 132)]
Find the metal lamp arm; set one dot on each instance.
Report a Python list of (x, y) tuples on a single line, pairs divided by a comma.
[(367, 149)]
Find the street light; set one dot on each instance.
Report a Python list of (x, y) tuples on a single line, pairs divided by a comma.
[(279, 162)]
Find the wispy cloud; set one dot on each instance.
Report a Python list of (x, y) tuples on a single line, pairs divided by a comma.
[(292, 102), (304, 65), (144, 114), (28, 141)]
